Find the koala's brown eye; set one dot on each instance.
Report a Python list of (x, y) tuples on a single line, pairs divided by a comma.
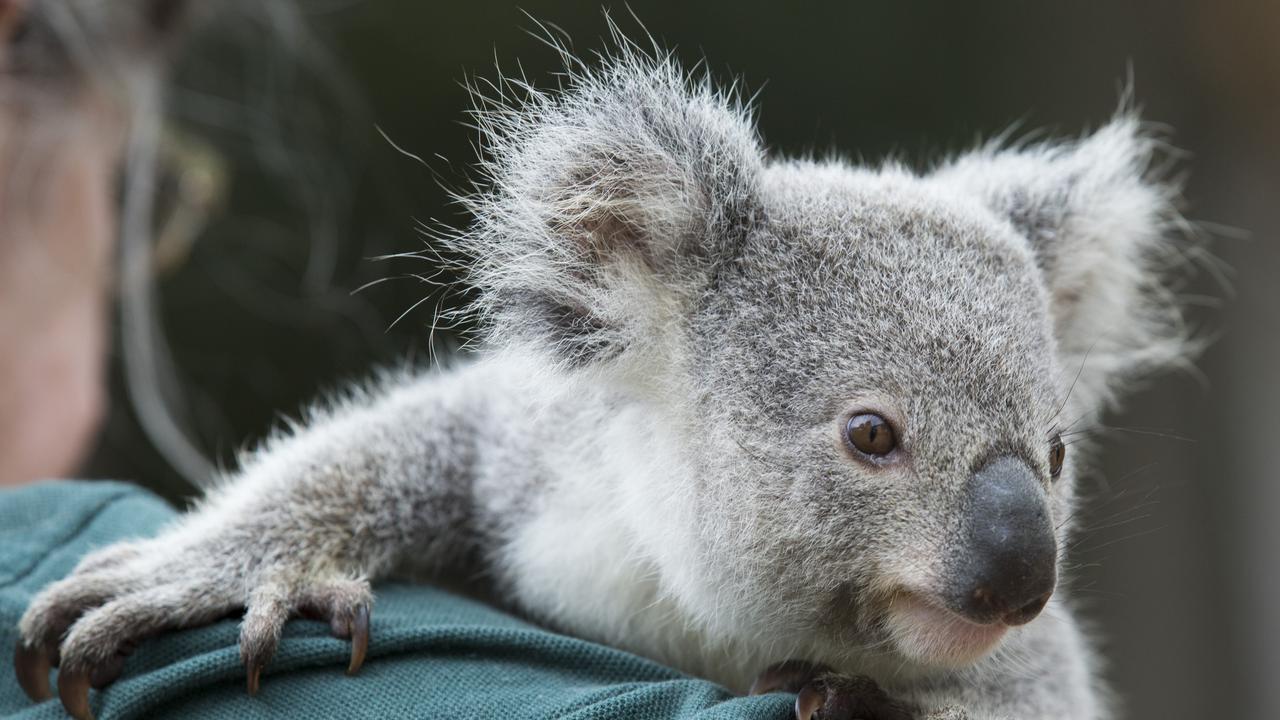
[(871, 434), (1057, 454)]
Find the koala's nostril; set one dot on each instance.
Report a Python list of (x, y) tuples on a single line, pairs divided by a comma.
[(1026, 613), (987, 604)]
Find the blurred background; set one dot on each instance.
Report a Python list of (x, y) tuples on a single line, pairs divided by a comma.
[(326, 134)]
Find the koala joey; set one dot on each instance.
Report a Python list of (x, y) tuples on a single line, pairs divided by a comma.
[(782, 424)]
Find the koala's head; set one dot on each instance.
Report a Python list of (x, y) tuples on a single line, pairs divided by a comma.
[(870, 372)]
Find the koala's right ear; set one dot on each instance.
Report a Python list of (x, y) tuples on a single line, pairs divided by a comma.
[(608, 202), (1101, 221)]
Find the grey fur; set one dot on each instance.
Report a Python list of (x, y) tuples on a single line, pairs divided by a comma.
[(677, 328)]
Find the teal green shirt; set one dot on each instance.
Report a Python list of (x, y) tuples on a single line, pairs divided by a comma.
[(432, 655)]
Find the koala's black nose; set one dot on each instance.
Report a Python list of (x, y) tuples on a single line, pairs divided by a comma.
[(1005, 566)]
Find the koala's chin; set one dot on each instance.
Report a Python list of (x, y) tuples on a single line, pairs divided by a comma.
[(929, 634)]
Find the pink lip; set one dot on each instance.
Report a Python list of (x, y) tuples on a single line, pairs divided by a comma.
[(931, 634)]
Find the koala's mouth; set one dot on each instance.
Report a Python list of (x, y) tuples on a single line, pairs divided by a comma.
[(928, 633)]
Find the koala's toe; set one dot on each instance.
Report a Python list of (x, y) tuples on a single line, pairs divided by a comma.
[(49, 618), (96, 646), (345, 604), (265, 616), (53, 611), (117, 626)]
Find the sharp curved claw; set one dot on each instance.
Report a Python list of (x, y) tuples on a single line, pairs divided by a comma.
[(809, 702), (254, 679), (73, 690), (32, 665), (359, 639)]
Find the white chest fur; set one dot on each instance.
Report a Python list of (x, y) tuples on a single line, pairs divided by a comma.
[(600, 557)]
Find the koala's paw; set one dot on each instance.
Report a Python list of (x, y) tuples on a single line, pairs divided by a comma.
[(89, 622), (825, 695)]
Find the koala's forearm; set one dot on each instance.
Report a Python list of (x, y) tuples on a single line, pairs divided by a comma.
[(362, 489), (378, 482)]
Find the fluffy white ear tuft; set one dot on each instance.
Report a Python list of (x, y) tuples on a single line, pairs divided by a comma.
[(605, 202), (1101, 219)]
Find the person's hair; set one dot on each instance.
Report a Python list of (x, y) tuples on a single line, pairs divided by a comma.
[(124, 51)]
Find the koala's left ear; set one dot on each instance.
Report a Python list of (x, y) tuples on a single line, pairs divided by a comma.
[(1101, 222)]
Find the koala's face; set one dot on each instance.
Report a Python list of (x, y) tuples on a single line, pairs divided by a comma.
[(866, 371), (881, 396)]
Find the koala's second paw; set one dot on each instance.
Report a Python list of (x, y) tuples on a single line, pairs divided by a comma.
[(87, 623), (825, 695)]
